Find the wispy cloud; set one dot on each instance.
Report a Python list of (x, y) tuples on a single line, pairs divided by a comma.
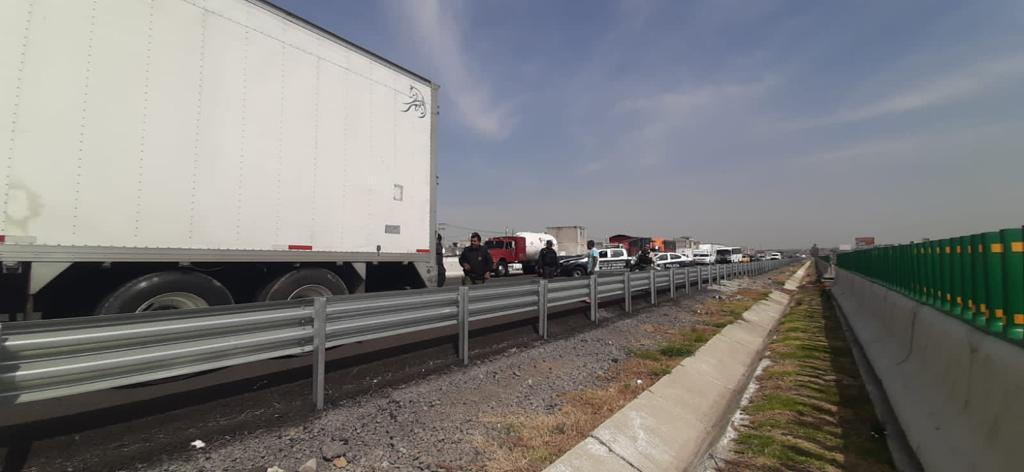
[(690, 99), (654, 124), (440, 37), (960, 84), (921, 147)]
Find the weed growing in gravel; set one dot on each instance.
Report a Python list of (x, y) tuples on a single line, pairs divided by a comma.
[(811, 411)]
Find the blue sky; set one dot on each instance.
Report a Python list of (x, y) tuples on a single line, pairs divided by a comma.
[(761, 123)]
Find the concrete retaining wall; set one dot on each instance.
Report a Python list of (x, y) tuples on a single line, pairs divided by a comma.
[(672, 425), (958, 392)]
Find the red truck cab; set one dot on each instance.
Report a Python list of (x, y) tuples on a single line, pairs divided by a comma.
[(508, 253)]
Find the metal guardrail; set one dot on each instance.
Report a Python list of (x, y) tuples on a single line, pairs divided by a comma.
[(56, 358)]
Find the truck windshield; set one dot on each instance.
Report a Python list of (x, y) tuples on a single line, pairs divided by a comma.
[(495, 244)]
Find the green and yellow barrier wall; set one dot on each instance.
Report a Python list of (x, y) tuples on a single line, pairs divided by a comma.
[(977, 278)]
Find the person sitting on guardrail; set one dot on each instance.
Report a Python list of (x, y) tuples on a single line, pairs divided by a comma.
[(547, 261), (476, 262)]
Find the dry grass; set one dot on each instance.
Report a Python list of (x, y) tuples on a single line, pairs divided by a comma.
[(810, 411), (531, 442), (781, 277)]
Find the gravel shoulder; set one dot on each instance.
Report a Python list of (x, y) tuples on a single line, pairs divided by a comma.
[(403, 422)]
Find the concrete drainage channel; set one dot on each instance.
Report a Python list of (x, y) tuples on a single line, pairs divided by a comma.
[(674, 424)]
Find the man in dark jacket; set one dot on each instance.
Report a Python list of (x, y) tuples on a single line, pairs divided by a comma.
[(476, 262), (439, 250), (547, 262)]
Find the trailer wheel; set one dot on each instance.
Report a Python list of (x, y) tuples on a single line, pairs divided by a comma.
[(307, 282), (169, 290)]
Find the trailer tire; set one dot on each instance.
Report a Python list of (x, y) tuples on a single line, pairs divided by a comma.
[(307, 282), (173, 289)]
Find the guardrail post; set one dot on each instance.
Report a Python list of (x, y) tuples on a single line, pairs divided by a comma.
[(1013, 266), (980, 286), (686, 276), (319, 349), (672, 283), (700, 280), (628, 292), (654, 287), (593, 298), (464, 325), (542, 307), (994, 281)]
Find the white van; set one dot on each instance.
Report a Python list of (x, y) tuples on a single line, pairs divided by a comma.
[(701, 256)]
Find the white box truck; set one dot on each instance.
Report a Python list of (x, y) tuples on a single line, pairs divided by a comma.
[(174, 154)]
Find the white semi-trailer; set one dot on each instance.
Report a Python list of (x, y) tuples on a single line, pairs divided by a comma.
[(173, 154)]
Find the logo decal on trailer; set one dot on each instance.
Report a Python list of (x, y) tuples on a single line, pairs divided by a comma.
[(416, 102)]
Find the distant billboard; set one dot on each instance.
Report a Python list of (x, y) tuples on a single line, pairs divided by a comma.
[(863, 242)]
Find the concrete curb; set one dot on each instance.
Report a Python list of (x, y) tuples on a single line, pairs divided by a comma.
[(672, 425)]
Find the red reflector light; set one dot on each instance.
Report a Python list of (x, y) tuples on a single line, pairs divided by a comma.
[(300, 247), (2, 238), (423, 251)]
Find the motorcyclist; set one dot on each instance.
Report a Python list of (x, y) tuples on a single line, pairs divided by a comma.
[(644, 260)]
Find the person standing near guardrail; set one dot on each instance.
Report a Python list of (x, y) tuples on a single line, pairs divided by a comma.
[(547, 261), (476, 262), (592, 261), (439, 251)]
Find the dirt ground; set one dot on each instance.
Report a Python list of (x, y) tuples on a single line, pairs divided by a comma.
[(435, 422)]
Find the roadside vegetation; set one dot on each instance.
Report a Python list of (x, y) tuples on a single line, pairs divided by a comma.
[(532, 442), (810, 410)]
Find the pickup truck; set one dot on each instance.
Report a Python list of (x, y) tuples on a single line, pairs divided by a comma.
[(607, 259)]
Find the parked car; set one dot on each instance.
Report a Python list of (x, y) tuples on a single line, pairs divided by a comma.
[(774, 256), (607, 259), (703, 257), (668, 260), (745, 258), (762, 256)]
